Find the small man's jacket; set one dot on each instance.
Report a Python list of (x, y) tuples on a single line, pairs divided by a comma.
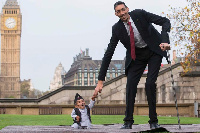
[(78, 113)]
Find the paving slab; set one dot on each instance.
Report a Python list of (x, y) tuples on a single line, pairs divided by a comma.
[(111, 128)]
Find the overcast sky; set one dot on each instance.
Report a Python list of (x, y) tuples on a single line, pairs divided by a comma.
[(54, 31)]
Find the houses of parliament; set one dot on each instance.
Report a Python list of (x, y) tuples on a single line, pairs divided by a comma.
[(11, 25)]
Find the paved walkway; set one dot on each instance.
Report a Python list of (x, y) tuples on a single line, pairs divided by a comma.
[(97, 129)]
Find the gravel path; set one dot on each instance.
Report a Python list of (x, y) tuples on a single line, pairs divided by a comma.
[(113, 128)]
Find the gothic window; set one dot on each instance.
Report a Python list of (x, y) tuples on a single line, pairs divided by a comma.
[(163, 92), (6, 86), (12, 86)]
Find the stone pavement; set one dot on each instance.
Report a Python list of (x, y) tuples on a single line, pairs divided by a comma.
[(111, 128)]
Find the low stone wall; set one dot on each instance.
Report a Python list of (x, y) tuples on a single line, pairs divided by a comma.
[(33, 109), (139, 109), (187, 88)]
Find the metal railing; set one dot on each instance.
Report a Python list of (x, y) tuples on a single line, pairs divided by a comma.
[(50, 110), (2, 110), (108, 110)]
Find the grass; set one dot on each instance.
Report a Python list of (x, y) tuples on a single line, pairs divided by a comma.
[(50, 120)]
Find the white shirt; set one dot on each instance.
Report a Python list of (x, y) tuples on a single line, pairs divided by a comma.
[(139, 42), (85, 121)]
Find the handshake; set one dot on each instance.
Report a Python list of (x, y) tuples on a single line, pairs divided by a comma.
[(98, 89)]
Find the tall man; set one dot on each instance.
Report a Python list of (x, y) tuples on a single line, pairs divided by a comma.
[(145, 45)]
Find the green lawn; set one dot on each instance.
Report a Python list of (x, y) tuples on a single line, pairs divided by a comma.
[(46, 120)]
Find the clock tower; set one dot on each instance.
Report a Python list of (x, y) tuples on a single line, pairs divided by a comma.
[(11, 23)]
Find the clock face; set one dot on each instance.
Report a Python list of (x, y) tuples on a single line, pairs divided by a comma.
[(10, 23)]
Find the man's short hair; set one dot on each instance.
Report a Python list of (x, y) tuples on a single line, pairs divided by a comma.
[(119, 3)]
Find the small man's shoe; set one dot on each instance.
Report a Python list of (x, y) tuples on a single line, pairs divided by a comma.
[(154, 125), (126, 126)]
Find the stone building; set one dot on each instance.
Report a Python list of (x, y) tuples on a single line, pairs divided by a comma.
[(84, 71), (26, 88), (57, 80), (29, 84), (11, 24)]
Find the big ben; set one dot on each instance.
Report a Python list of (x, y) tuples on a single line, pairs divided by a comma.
[(11, 23)]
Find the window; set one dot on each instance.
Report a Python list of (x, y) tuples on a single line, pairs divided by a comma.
[(12, 86), (85, 77), (118, 66), (96, 75), (123, 70), (113, 72), (108, 75), (79, 77), (118, 72), (91, 78)]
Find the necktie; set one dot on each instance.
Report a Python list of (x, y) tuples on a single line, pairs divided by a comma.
[(132, 41)]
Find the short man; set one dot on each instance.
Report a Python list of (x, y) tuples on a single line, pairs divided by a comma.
[(145, 45), (81, 113)]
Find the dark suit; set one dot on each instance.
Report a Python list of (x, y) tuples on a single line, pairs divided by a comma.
[(151, 55)]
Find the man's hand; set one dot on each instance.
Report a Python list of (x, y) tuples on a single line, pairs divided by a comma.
[(93, 98), (77, 118), (164, 46), (98, 88)]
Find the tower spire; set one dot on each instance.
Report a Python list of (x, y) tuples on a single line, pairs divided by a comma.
[(11, 4)]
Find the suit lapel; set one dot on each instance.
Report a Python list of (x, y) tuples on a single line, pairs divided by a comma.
[(136, 21), (124, 31)]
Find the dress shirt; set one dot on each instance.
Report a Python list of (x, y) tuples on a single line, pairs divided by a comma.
[(139, 42)]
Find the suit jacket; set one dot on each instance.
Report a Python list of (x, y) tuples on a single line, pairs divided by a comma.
[(143, 21)]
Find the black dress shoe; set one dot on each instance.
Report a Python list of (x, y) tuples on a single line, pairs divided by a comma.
[(154, 125), (127, 126)]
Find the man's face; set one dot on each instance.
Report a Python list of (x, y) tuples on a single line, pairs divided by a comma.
[(80, 104), (122, 12)]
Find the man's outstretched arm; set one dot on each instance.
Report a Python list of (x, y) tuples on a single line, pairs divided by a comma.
[(106, 61)]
